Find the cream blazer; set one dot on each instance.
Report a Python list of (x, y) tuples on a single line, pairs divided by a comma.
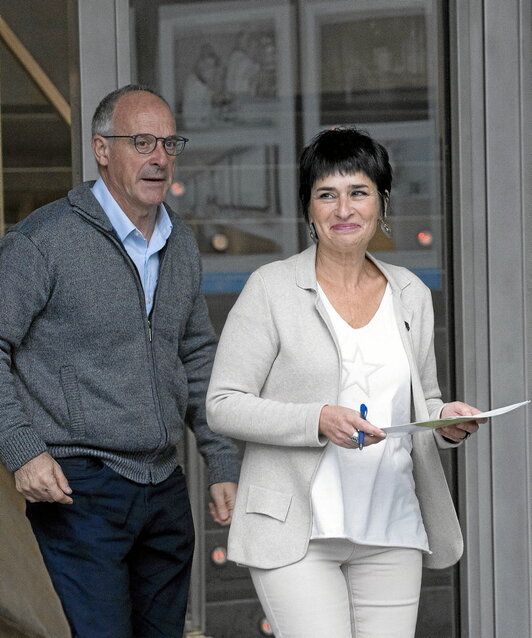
[(277, 365)]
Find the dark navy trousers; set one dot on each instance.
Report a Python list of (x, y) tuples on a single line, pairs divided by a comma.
[(120, 556)]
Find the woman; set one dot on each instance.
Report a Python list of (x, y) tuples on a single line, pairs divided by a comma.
[(333, 529)]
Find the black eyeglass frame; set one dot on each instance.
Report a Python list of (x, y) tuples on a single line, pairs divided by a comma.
[(177, 138)]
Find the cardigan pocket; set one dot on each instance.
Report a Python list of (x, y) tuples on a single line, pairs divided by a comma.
[(69, 382), (269, 502)]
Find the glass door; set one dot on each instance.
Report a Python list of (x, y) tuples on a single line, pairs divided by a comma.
[(251, 82)]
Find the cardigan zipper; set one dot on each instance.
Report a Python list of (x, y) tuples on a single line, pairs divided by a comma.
[(113, 237)]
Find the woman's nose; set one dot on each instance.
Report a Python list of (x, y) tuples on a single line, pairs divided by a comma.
[(344, 208)]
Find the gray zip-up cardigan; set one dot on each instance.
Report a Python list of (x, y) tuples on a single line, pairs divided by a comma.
[(277, 364), (83, 370)]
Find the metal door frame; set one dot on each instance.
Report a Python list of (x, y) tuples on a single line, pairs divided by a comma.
[(491, 121), (101, 64)]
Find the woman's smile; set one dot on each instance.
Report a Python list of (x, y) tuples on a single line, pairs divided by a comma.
[(345, 227)]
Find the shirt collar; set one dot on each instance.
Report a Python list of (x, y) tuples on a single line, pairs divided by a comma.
[(121, 223)]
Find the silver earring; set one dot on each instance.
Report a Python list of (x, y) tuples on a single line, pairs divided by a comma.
[(386, 228), (312, 232)]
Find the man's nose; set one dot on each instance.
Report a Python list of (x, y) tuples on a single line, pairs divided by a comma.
[(159, 155)]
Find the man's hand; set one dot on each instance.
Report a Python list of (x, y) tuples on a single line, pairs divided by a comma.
[(223, 502), (42, 479)]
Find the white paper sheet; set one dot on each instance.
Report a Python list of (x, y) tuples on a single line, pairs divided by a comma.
[(418, 426)]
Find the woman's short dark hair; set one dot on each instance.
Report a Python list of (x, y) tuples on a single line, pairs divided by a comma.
[(344, 151)]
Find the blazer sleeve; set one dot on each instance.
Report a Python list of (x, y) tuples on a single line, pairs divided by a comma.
[(247, 350)]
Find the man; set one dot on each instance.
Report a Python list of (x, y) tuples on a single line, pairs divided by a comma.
[(105, 353)]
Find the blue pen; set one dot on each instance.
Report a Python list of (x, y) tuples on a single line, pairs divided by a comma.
[(363, 415)]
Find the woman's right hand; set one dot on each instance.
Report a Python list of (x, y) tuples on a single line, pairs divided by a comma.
[(339, 424)]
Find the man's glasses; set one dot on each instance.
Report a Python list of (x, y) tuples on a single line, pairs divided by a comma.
[(146, 142)]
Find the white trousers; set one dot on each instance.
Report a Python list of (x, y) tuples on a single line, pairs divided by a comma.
[(343, 590)]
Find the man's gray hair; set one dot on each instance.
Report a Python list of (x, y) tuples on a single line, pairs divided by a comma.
[(102, 120)]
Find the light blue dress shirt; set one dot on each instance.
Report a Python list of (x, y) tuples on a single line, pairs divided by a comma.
[(144, 255)]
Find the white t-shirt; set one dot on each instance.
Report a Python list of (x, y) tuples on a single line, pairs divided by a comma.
[(368, 496)]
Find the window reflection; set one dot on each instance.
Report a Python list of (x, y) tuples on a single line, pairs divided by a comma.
[(248, 79), (228, 70), (373, 69), (369, 67)]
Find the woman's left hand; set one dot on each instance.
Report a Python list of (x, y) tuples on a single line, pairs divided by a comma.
[(459, 431)]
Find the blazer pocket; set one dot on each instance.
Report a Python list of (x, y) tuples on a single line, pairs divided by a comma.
[(269, 502)]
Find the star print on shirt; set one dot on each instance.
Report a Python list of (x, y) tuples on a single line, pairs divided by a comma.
[(357, 371)]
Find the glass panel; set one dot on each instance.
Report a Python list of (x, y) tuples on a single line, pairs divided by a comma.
[(379, 66), (36, 145), (251, 83), (228, 70), (371, 67)]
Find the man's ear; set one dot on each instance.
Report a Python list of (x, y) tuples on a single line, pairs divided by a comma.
[(100, 148)]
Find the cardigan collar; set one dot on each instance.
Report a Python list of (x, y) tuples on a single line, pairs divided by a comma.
[(306, 271), (84, 202)]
